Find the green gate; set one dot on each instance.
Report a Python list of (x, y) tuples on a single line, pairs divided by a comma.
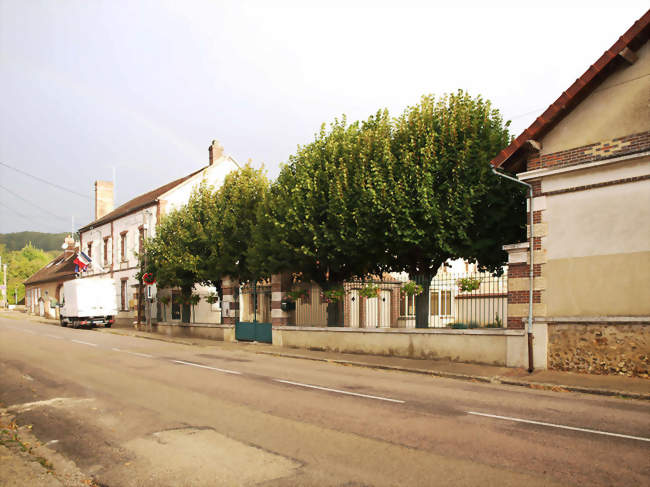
[(247, 331)]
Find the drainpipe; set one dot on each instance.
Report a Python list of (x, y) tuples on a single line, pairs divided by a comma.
[(530, 270)]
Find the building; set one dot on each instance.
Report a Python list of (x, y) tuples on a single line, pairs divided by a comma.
[(114, 240), (44, 288), (587, 158)]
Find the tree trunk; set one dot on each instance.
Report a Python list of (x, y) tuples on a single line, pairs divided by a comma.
[(422, 301)]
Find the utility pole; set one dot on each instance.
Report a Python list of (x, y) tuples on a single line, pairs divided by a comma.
[(4, 287), (147, 214)]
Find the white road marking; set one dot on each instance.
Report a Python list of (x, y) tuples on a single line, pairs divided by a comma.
[(51, 442), (206, 367), (339, 391), (541, 423), (84, 343), (53, 336), (145, 355)]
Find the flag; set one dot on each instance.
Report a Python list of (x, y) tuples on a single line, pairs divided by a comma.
[(82, 262)]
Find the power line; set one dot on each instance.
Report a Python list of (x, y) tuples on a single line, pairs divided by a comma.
[(45, 181), (23, 216), (34, 204)]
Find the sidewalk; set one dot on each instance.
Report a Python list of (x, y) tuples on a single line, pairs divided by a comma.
[(608, 385)]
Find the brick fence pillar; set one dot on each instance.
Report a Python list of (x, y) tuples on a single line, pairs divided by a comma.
[(279, 286), (518, 284), (230, 306)]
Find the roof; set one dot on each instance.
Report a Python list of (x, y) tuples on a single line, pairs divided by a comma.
[(142, 201), (60, 268), (635, 36)]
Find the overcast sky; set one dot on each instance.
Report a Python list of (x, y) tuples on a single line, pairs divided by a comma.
[(144, 86)]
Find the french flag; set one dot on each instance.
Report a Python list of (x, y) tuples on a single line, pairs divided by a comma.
[(82, 262)]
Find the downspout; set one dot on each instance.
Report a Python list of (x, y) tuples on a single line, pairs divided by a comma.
[(530, 270)]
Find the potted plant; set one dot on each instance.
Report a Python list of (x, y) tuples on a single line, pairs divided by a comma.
[(411, 289), (468, 284), (334, 295), (298, 292), (369, 291)]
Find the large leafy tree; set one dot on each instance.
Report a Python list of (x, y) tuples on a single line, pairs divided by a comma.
[(208, 238), (448, 204), (324, 216), (320, 219), (236, 209), (176, 255)]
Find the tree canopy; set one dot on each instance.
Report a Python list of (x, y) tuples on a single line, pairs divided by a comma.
[(209, 237)]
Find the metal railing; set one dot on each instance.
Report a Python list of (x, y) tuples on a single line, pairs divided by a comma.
[(456, 300), (468, 300)]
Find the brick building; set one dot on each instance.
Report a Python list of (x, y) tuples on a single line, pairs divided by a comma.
[(588, 160)]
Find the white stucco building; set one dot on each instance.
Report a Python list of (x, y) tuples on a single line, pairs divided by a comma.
[(114, 239)]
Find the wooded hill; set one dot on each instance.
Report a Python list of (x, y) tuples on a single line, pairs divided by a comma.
[(40, 240)]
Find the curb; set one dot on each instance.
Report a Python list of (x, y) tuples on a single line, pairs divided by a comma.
[(475, 378)]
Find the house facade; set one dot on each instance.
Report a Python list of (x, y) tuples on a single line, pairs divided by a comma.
[(587, 158), (43, 290), (115, 239)]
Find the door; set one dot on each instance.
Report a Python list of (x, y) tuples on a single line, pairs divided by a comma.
[(372, 313), (123, 294), (384, 309), (354, 309), (441, 306)]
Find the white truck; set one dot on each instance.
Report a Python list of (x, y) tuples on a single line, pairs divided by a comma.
[(88, 302)]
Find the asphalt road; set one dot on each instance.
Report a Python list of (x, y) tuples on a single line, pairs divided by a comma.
[(131, 411)]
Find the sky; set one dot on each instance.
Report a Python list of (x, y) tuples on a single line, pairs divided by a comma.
[(139, 89)]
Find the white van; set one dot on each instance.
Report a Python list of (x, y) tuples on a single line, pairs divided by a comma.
[(88, 302)]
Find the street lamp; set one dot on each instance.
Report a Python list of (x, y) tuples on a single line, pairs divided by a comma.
[(530, 270)]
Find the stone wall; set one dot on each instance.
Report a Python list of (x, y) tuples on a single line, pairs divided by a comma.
[(595, 348), (480, 345)]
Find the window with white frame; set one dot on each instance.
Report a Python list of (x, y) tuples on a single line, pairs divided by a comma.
[(441, 301)]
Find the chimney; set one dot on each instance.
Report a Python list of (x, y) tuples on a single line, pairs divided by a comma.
[(215, 151), (103, 198), (69, 246)]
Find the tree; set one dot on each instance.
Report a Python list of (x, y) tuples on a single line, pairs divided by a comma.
[(322, 217), (236, 210), (176, 255), (448, 204), (21, 264), (208, 238)]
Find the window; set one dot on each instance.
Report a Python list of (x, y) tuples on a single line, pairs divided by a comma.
[(105, 250), (407, 306), (441, 303), (123, 246), (90, 250), (123, 295)]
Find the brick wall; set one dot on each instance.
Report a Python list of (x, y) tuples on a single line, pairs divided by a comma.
[(630, 144)]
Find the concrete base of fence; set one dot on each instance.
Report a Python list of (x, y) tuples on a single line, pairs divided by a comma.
[(224, 333), (488, 346)]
